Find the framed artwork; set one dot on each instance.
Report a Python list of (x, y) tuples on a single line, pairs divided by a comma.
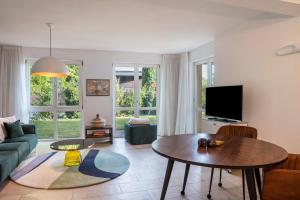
[(97, 87)]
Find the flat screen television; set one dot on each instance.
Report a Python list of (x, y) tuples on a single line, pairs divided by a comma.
[(225, 102)]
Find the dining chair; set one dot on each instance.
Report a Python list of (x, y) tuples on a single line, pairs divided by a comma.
[(232, 131), (281, 182)]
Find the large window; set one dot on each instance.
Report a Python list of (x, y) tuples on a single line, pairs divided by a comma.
[(136, 92), (205, 77), (55, 103), (207, 80)]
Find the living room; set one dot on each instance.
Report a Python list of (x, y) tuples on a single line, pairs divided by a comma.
[(132, 112)]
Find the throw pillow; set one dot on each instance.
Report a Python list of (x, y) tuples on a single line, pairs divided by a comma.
[(14, 129), (3, 133), (139, 121)]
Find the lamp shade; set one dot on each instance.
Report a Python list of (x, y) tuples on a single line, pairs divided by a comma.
[(49, 66)]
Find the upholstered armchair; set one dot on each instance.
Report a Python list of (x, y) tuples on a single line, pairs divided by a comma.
[(282, 181)]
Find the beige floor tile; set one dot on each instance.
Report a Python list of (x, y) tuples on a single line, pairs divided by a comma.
[(126, 196), (95, 191), (11, 188), (141, 185), (172, 192), (48, 195), (11, 197)]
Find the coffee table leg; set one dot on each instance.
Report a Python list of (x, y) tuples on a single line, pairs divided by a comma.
[(251, 184), (258, 182), (167, 179)]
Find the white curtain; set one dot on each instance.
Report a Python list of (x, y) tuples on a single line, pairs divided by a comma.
[(176, 109), (169, 73), (185, 105), (13, 81)]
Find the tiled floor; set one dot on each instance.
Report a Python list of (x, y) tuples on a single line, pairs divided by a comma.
[(143, 180)]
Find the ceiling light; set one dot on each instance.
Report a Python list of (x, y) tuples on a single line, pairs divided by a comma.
[(49, 66)]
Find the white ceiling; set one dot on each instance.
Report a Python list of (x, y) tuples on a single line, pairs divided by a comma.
[(156, 26)]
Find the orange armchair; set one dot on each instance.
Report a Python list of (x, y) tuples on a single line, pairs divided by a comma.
[(282, 181)]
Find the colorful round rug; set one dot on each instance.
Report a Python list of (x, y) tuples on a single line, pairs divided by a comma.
[(47, 171)]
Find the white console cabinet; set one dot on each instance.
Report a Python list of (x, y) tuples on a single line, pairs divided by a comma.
[(212, 126)]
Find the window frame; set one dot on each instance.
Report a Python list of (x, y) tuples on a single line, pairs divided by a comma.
[(197, 65), (55, 108), (136, 107)]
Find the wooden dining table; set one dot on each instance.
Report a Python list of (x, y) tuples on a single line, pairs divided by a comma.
[(236, 153)]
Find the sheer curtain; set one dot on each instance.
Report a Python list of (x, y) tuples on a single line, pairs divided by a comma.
[(13, 80), (176, 109), (169, 73), (185, 105)]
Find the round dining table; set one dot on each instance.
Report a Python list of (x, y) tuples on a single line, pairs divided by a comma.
[(235, 153)]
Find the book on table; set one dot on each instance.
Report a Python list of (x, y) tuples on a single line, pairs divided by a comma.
[(99, 133)]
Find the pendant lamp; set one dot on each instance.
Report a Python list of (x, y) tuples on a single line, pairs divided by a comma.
[(49, 66)]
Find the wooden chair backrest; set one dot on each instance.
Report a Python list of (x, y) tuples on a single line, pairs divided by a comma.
[(241, 131)]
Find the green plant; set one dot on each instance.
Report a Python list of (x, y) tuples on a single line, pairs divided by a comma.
[(124, 98), (203, 97), (68, 87), (41, 91), (147, 96)]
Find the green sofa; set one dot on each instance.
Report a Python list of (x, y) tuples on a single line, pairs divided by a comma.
[(13, 151), (140, 134)]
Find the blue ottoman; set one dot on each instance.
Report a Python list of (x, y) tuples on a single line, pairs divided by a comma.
[(140, 133)]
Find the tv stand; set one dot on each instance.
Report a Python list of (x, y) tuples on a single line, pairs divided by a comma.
[(212, 118), (212, 124), (222, 119)]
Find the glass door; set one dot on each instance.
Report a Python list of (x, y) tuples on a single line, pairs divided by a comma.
[(135, 94), (124, 97), (55, 104)]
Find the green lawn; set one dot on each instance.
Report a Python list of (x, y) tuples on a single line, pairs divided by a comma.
[(70, 128), (67, 128)]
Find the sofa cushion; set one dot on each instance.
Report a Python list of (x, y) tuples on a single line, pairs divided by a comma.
[(31, 139), (8, 162), (21, 147), (13, 129), (28, 128), (139, 121), (3, 133)]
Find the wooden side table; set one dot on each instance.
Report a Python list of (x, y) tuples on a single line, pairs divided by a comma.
[(105, 134)]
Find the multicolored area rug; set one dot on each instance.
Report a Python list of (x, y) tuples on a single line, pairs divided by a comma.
[(47, 171)]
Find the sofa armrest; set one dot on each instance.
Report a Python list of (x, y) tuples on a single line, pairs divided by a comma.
[(281, 184), (28, 128)]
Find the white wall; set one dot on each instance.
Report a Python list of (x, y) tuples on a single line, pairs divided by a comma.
[(271, 83), (96, 64), (203, 52)]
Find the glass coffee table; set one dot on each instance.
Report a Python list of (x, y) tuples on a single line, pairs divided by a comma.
[(72, 147)]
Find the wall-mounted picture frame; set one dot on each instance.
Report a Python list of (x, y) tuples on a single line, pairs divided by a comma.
[(97, 87)]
